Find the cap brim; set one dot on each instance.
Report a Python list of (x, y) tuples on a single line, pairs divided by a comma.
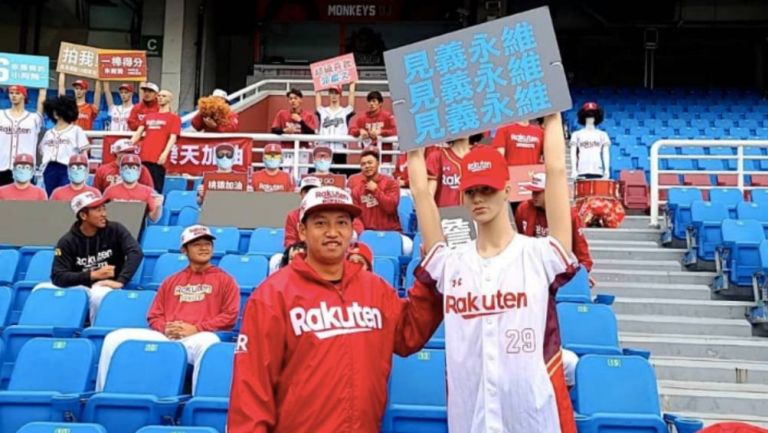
[(350, 208), (97, 203), (532, 188), (489, 182), (211, 237)]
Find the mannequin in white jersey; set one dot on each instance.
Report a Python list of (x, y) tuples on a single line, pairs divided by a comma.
[(334, 119), (503, 356), (590, 147), (118, 114), (19, 130)]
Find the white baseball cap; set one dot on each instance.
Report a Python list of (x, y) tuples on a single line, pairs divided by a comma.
[(122, 145), (194, 232), (325, 198), (537, 183), (310, 181), (150, 86), (220, 93), (86, 200)]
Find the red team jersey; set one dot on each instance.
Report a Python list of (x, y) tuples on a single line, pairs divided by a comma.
[(30, 193), (522, 144), (379, 208), (86, 114), (67, 193), (278, 182), (139, 111), (158, 129), (109, 174), (444, 166), (532, 221), (140, 193)]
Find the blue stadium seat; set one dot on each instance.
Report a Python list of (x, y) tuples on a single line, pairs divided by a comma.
[(653, 123), (639, 131), (752, 211), (383, 243), (136, 280), (624, 140), (761, 133), (210, 398), (730, 197), (387, 268), (143, 385), (50, 378), (714, 132), (619, 394), (729, 164), (577, 290), (39, 271), (167, 265), (677, 123), (629, 123), (417, 245), (739, 254), (740, 133), (619, 163), (175, 429), (248, 272), (679, 207), (227, 240), (188, 216), (700, 124), (175, 201), (158, 240), (649, 139), (689, 132), (680, 164), (706, 219), (748, 123), (58, 313), (666, 132), (164, 220), (6, 295), (759, 195), (723, 123), (9, 264), (409, 272), (174, 183), (691, 150), (266, 241), (119, 309), (405, 211), (417, 394), (61, 427), (588, 328)]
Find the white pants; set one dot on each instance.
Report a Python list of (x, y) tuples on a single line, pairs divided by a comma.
[(196, 345), (96, 294), (570, 360), (407, 245)]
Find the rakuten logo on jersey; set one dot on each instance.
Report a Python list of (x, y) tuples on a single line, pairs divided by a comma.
[(451, 181), (473, 305), (328, 322)]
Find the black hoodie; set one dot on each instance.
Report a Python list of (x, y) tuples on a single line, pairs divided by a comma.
[(77, 255)]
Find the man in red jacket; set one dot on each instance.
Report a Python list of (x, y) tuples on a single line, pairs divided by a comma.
[(374, 123), (189, 307), (316, 345), (147, 105), (376, 194)]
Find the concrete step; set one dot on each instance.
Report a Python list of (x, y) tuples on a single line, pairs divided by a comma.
[(653, 277), (709, 418), (682, 307), (636, 222), (751, 349), (710, 370), (653, 253), (620, 243), (623, 234), (651, 324), (655, 291), (658, 265), (713, 397)]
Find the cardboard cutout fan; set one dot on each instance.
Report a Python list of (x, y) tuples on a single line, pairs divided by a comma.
[(215, 108)]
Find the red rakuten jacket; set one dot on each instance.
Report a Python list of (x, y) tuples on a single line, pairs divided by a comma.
[(314, 357), (379, 208)]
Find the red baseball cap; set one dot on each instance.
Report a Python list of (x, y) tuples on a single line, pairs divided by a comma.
[(588, 106), (273, 149), (130, 159), (537, 183), (86, 200), (365, 251), (20, 89), (483, 166), (336, 89), (322, 149), (23, 158), (81, 83), (126, 86), (78, 159), (328, 198)]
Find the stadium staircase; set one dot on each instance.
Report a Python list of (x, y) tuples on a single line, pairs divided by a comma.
[(708, 364)]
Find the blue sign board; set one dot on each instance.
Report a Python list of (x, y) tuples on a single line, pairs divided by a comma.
[(476, 79), (28, 71)]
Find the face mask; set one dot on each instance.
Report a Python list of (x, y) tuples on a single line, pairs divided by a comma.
[(129, 174), (322, 166), (225, 163), (77, 174), (22, 174), (272, 163)]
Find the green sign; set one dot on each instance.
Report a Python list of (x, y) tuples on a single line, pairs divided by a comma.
[(153, 45)]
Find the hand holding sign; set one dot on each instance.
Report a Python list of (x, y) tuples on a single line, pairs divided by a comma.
[(333, 72)]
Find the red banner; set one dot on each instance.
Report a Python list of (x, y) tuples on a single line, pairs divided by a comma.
[(117, 65), (196, 156), (225, 182)]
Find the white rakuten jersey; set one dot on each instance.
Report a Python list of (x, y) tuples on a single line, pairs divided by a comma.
[(504, 364), (334, 123), (590, 152), (18, 135), (59, 146), (118, 118)]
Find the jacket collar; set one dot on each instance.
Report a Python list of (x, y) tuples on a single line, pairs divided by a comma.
[(301, 267)]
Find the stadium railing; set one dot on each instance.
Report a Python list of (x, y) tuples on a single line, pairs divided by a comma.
[(740, 156)]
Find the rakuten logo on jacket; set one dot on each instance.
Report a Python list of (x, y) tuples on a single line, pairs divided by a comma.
[(328, 322)]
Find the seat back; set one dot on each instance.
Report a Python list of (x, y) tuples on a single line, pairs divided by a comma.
[(760, 195), (55, 307), (40, 266), (683, 196), (175, 201), (386, 267), (633, 177), (742, 231), (764, 255), (162, 238), (730, 197), (418, 380), (752, 211), (585, 328), (265, 240), (696, 179), (708, 212), (215, 371), (61, 427), (616, 385), (9, 263), (54, 364), (227, 239), (383, 243), (188, 216), (576, 289), (168, 264), (125, 309), (248, 271), (147, 367), (6, 295)]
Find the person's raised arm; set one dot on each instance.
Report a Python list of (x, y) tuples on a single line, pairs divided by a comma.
[(107, 94), (424, 202), (573, 145), (558, 205), (62, 83), (97, 97), (351, 96), (137, 134), (318, 100), (41, 94), (607, 157)]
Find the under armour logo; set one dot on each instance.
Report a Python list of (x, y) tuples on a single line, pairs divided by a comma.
[(456, 282)]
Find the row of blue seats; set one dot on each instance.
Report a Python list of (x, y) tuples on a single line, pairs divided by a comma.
[(680, 124), (704, 233), (643, 136)]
